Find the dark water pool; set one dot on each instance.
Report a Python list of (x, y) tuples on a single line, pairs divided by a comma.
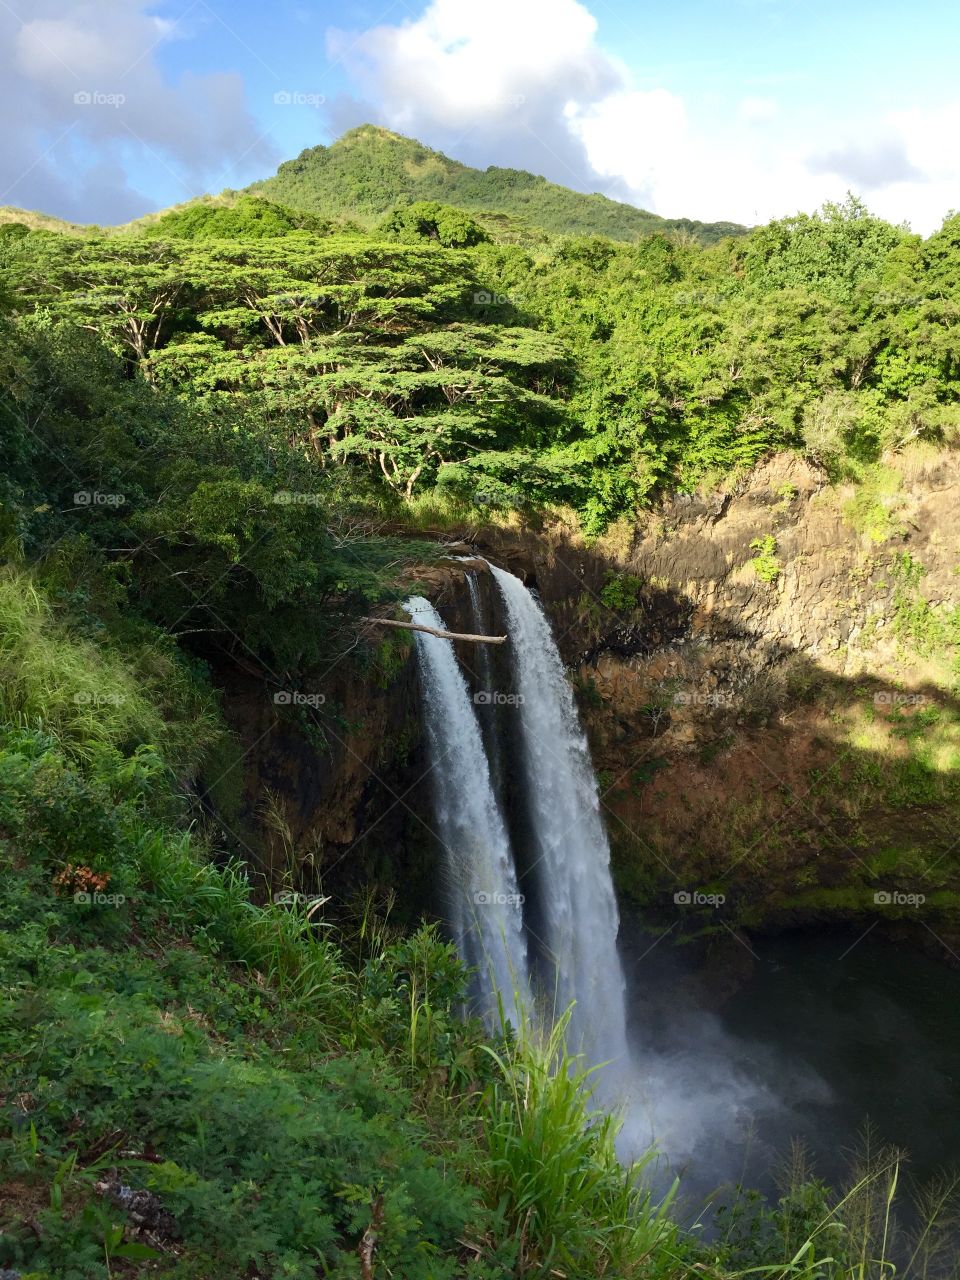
[(817, 1034)]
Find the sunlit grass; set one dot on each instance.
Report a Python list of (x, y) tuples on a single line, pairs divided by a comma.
[(554, 1170), (89, 695)]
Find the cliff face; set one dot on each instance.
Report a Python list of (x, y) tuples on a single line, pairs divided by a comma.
[(765, 677), (767, 681)]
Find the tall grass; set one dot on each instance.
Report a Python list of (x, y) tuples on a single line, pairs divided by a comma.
[(283, 943), (434, 511), (92, 696), (874, 1227), (81, 693), (572, 1207)]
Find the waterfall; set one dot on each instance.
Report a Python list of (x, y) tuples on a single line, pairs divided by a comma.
[(476, 614), (570, 858), (483, 900), (483, 672)]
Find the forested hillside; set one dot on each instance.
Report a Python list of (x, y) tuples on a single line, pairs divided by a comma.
[(370, 173), (369, 170), (592, 375)]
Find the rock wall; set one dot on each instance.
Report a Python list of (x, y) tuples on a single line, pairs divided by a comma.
[(764, 726)]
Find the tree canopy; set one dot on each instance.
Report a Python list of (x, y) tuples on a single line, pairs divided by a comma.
[(591, 373)]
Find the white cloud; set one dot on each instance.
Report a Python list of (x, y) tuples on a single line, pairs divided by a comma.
[(81, 82), (461, 58), (906, 164), (757, 110), (492, 81), (632, 136), (526, 82)]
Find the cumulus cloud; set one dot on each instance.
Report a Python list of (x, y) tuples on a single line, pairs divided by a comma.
[(526, 82), (490, 80), (82, 84), (669, 166), (633, 136)]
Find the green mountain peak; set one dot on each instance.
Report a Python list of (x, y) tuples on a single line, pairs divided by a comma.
[(370, 170)]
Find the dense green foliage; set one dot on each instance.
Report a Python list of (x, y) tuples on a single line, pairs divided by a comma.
[(593, 374), (430, 220), (168, 1066), (246, 218), (370, 170), (202, 522)]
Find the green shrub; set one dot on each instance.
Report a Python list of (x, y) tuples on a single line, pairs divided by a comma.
[(765, 563), (430, 220), (933, 631), (621, 591), (872, 510)]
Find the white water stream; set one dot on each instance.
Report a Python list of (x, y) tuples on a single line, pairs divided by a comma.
[(483, 900), (570, 860)]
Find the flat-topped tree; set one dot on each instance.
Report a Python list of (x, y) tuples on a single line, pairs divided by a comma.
[(130, 292)]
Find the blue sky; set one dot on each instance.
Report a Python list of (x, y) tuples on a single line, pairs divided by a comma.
[(746, 109)]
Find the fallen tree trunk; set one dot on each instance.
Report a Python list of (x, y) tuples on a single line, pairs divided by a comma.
[(432, 631)]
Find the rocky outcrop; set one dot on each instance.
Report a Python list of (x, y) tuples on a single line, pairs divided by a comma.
[(765, 683)]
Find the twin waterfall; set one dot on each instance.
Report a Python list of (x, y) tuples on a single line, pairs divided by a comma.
[(528, 894)]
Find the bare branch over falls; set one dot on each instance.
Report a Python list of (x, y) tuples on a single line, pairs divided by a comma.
[(432, 631)]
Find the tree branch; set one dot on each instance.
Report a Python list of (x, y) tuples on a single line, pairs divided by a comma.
[(432, 631)]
